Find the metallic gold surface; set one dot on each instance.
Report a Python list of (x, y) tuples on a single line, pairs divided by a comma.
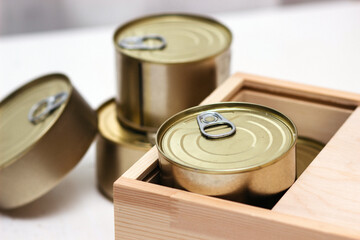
[(258, 160), (189, 38), (155, 84), (34, 157), (117, 148), (306, 151)]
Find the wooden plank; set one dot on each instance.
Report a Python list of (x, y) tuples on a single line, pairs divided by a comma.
[(276, 86), (329, 189), (148, 211), (313, 120)]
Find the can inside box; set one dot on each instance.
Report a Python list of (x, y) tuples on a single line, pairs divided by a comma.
[(314, 118)]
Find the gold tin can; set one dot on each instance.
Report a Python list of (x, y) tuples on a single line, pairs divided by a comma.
[(306, 151), (117, 148), (167, 63), (238, 151), (46, 127)]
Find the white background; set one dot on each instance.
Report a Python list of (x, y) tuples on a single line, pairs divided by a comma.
[(317, 44), (18, 16)]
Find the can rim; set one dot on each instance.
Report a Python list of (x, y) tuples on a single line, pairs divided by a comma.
[(31, 83), (168, 123), (311, 142), (198, 16), (122, 142)]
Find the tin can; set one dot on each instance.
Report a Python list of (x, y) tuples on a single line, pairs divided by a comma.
[(46, 127), (238, 151), (117, 148), (306, 151), (167, 63)]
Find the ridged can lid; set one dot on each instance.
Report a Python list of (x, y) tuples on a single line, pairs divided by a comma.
[(172, 38), (226, 137), (46, 127)]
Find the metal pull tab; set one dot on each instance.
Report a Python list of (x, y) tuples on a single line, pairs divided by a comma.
[(138, 42), (210, 119), (42, 109)]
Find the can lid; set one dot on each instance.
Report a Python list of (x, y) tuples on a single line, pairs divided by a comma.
[(28, 113), (46, 127), (261, 136), (112, 130), (306, 151), (172, 38)]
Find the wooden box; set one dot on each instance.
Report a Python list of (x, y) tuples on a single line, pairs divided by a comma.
[(324, 203)]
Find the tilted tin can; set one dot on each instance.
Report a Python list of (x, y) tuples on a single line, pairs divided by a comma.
[(167, 63), (306, 151), (46, 127), (239, 151), (117, 148)]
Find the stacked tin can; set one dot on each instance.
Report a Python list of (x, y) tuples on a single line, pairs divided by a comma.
[(164, 64)]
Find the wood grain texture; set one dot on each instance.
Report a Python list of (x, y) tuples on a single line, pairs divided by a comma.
[(329, 191), (148, 211), (324, 203)]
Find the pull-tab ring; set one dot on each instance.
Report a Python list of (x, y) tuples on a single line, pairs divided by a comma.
[(138, 42), (210, 119), (42, 109)]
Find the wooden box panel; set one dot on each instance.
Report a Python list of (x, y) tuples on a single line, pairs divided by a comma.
[(324, 203)]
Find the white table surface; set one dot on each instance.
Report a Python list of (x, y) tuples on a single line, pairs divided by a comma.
[(317, 44)]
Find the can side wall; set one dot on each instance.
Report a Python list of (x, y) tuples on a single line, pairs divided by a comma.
[(246, 187), (128, 97), (149, 93), (112, 160)]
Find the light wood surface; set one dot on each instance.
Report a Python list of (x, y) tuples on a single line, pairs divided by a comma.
[(299, 90), (329, 189), (148, 211), (322, 204), (314, 120)]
